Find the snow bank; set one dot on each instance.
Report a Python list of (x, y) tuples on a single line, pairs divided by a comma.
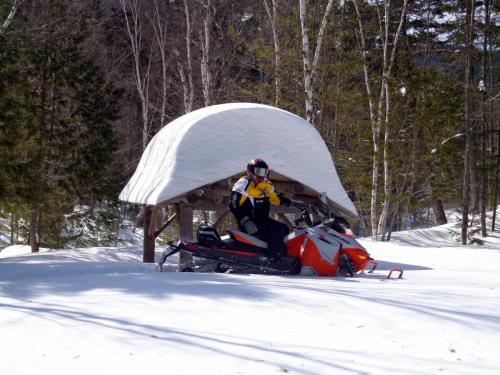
[(214, 143), (15, 250), (98, 310)]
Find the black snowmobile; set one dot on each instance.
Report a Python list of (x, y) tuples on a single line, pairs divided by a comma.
[(236, 252)]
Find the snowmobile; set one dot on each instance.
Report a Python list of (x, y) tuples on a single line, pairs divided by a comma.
[(322, 248)]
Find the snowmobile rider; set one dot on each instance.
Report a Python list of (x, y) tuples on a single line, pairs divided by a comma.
[(250, 202)]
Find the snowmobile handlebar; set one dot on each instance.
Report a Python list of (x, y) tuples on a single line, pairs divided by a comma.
[(306, 217)]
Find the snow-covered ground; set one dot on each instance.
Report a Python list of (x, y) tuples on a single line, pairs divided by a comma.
[(100, 310)]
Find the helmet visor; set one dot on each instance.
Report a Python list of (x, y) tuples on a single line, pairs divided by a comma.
[(260, 172)]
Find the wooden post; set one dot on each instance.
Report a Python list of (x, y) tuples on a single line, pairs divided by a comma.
[(148, 255), (153, 221), (185, 217)]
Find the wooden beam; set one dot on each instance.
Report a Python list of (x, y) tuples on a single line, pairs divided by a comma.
[(289, 186), (208, 206), (162, 228)]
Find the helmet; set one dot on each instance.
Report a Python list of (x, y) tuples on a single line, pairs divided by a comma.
[(258, 168)]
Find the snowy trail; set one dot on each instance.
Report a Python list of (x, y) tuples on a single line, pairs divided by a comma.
[(101, 309)]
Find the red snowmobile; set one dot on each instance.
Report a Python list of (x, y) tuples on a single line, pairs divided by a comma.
[(322, 248)]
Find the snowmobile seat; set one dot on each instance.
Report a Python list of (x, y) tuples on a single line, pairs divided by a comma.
[(243, 237), (207, 235)]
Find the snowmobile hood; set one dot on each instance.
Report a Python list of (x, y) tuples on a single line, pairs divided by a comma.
[(216, 142)]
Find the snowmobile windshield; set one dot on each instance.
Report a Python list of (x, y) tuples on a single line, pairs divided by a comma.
[(260, 172)]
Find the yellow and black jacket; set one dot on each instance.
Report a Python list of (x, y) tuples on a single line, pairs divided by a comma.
[(254, 200)]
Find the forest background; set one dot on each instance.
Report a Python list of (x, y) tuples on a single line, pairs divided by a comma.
[(404, 93)]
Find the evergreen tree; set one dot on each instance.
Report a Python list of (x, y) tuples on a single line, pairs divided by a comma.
[(65, 140)]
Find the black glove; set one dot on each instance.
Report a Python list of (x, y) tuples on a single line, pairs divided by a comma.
[(284, 200), (298, 204), (249, 225), (342, 221)]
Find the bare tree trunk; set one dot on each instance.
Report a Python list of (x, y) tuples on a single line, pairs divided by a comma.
[(141, 72), (438, 209), (388, 64), (35, 230), (374, 124), (494, 128), (377, 118), (496, 178), (10, 16), (394, 216), (13, 221), (206, 76), (387, 179), (277, 51), (16, 238), (495, 150), (483, 171), (160, 30), (467, 118), (483, 141), (385, 207), (187, 75), (310, 67)]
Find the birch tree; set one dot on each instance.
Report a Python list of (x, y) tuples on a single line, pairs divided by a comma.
[(484, 121), (142, 58), (205, 40), (466, 191), (380, 108), (311, 64), (272, 13), (160, 32), (142, 66), (186, 72)]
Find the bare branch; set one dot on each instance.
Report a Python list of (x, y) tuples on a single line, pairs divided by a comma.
[(311, 67), (321, 34), (160, 31), (10, 16), (141, 78)]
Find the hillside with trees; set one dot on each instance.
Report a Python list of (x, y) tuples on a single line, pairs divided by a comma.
[(404, 93)]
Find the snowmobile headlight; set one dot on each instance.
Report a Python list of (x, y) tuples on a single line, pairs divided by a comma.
[(363, 257)]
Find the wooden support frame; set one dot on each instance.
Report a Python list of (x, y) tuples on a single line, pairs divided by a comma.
[(185, 218), (148, 255), (165, 225), (215, 197), (151, 233)]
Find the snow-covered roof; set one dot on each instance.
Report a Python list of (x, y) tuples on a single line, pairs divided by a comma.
[(216, 142)]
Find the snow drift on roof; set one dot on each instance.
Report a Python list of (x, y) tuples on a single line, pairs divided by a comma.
[(216, 142)]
